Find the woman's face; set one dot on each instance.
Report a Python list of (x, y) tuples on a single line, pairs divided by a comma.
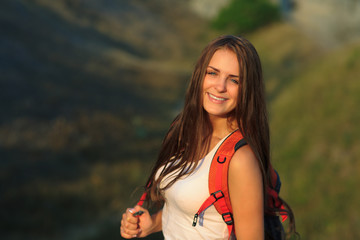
[(221, 84)]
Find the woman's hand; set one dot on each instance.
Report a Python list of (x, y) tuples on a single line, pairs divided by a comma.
[(140, 225)]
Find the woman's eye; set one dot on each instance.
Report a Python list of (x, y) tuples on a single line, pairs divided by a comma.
[(211, 73), (234, 81)]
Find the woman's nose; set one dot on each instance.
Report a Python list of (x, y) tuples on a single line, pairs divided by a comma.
[(221, 84)]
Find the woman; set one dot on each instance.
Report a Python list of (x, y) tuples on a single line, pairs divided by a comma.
[(226, 93)]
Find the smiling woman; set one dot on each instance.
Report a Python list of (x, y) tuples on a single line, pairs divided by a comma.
[(225, 96)]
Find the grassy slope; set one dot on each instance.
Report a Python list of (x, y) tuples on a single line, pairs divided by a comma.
[(88, 90), (314, 97)]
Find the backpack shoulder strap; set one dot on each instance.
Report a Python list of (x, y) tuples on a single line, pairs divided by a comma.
[(218, 175), (218, 179)]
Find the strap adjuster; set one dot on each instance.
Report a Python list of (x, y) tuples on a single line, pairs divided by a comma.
[(217, 195), (195, 219), (228, 219)]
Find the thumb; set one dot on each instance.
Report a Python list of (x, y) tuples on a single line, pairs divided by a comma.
[(138, 210)]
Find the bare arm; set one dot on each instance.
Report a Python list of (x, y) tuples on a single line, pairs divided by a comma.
[(246, 195)]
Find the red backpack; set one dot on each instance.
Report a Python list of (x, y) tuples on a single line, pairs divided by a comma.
[(219, 192)]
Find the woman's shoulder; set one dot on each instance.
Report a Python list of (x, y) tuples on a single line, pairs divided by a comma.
[(243, 161)]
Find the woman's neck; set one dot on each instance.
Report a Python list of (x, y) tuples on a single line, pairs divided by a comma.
[(222, 127)]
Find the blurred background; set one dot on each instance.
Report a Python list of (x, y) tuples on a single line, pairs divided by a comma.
[(88, 89)]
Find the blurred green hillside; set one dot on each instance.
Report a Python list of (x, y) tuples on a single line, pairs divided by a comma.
[(88, 89), (313, 103)]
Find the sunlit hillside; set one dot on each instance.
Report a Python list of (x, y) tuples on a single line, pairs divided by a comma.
[(88, 89), (314, 98)]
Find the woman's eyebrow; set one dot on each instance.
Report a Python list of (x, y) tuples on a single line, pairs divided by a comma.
[(215, 69), (233, 76), (230, 75)]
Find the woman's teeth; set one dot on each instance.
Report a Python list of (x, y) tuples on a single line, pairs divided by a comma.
[(217, 98)]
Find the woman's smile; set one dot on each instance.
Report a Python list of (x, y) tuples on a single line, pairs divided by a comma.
[(216, 99)]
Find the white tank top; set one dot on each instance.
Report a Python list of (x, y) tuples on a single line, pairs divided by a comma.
[(184, 198)]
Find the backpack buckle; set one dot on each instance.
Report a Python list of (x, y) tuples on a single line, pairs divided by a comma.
[(217, 195), (228, 219)]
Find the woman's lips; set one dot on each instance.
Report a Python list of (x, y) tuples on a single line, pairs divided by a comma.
[(216, 98)]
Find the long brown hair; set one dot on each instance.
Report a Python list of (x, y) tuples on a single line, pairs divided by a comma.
[(190, 133)]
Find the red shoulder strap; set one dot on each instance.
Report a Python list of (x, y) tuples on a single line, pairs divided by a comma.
[(218, 175), (143, 196), (142, 199), (218, 180)]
